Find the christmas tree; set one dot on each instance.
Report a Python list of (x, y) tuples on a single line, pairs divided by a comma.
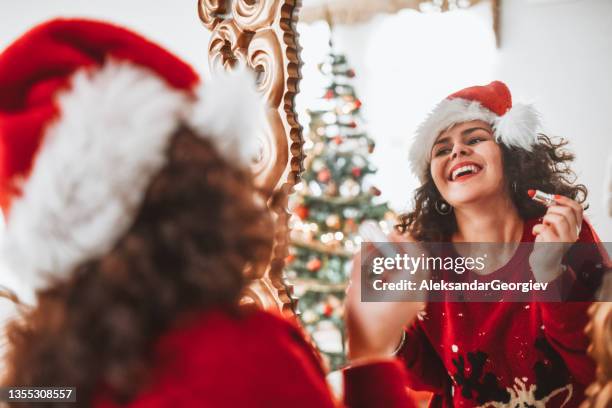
[(334, 197)]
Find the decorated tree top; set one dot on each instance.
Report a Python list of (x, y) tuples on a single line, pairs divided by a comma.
[(337, 192)]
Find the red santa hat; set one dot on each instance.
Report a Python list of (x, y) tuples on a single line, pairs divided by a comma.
[(513, 125), (87, 111)]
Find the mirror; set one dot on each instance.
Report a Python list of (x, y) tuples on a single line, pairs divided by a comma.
[(372, 71)]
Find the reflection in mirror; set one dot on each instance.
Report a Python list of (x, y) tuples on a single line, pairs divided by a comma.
[(356, 89), (369, 81)]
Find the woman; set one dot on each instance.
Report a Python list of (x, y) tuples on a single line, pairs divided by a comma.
[(477, 157), (130, 211)]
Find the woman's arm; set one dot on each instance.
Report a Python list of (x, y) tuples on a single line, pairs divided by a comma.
[(375, 329)]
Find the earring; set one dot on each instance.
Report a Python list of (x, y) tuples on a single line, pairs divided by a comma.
[(514, 187), (442, 207)]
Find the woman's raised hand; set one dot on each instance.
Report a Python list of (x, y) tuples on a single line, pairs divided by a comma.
[(375, 328), (560, 227)]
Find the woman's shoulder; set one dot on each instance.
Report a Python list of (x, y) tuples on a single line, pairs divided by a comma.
[(248, 340), (231, 330), (255, 346), (232, 359), (587, 232)]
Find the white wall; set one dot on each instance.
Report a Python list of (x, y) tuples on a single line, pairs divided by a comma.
[(560, 55), (173, 24)]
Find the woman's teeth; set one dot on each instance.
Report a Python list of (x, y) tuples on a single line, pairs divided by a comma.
[(464, 170)]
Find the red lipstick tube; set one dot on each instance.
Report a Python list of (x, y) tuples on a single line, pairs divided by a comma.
[(542, 197)]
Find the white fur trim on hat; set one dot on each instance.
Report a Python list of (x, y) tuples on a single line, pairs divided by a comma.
[(91, 172), (444, 115), (230, 109), (517, 128), (97, 159)]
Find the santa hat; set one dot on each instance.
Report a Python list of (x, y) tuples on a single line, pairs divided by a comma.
[(87, 111), (513, 125)]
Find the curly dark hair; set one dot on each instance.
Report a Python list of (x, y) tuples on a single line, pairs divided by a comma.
[(545, 168), (199, 227)]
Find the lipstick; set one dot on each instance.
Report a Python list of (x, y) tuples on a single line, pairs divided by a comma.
[(542, 197)]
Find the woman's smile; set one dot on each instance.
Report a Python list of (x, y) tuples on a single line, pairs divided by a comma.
[(463, 171)]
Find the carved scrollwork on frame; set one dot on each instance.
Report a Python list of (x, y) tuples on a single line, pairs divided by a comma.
[(211, 12), (263, 55), (227, 45), (261, 34), (252, 15)]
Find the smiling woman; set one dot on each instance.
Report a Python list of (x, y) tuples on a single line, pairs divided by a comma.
[(545, 168), (477, 155)]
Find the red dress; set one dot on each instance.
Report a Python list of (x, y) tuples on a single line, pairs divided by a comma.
[(505, 354), (255, 360)]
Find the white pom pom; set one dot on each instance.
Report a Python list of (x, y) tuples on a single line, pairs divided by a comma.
[(231, 113), (518, 127)]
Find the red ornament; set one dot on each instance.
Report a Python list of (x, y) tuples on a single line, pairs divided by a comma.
[(324, 175), (356, 172), (289, 258), (374, 191), (357, 103), (338, 140), (353, 125), (350, 73), (314, 264), (328, 310), (329, 94), (302, 211)]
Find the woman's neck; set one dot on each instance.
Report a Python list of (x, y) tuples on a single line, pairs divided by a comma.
[(494, 221)]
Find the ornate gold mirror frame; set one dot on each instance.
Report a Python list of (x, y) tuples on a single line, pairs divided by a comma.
[(262, 35)]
